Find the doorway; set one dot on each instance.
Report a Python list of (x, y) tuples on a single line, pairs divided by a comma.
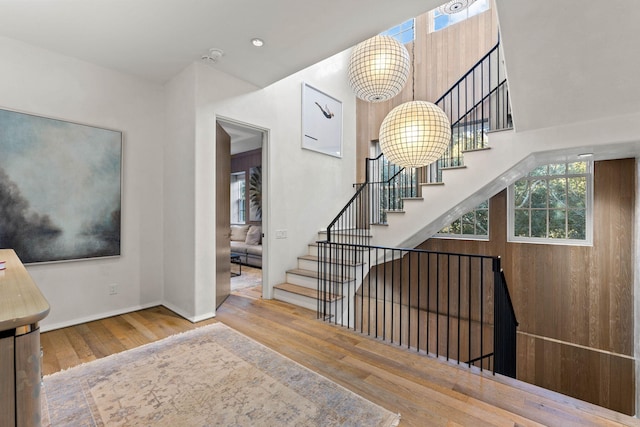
[(246, 203)]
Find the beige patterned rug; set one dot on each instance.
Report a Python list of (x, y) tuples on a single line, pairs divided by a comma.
[(210, 376)]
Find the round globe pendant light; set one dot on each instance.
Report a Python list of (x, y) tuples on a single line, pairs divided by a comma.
[(378, 68), (415, 134)]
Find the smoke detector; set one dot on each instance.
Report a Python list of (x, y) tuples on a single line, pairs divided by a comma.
[(213, 56)]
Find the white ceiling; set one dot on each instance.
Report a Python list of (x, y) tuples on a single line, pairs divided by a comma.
[(156, 39), (567, 60), (570, 61)]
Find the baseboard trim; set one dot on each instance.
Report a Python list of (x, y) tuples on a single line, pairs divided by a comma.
[(66, 324)]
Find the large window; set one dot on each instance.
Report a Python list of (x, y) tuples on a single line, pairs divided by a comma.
[(553, 204), (441, 19), (474, 225), (238, 204), (404, 32)]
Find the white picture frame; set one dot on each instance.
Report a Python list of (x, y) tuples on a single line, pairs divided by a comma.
[(321, 122)]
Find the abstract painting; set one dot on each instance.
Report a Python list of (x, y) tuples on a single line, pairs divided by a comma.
[(60, 188), (321, 122)]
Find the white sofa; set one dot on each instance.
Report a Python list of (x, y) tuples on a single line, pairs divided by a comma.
[(246, 242)]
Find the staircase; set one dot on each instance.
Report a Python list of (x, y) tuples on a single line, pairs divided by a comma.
[(405, 213), (301, 286)]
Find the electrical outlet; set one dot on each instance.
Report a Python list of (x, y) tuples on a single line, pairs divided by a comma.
[(113, 289), (281, 234)]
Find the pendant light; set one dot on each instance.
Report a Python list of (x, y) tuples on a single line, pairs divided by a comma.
[(415, 134), (378, 68)]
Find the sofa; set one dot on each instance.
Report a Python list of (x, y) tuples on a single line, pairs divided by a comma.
[(246, 242)]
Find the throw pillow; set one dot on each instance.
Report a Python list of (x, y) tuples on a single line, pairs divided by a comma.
[(254, 235), (239, 232)]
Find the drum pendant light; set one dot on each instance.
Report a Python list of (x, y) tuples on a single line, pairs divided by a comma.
[(378, 68)]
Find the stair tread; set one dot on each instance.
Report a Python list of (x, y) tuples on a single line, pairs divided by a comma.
[(314, 274), (357, 232), (332, 261), (304, 291), (315, 244)]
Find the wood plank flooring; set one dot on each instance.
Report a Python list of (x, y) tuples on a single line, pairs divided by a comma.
[(426, 392)]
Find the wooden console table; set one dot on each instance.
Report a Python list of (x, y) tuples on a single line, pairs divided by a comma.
[(22, 306)]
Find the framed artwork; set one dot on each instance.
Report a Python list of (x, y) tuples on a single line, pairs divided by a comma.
[(321, 122), (60, 188)]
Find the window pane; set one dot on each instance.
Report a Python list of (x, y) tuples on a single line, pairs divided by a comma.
[(483, 205), (557, 169), (468, 221), (540, 171), (557, 193), (557, 219), (440, 22), (521, 223), (521, 192), (577, 222), (577, 194), (482, 223), (552, 203), (577, 167), (539, 223), (539, 194)]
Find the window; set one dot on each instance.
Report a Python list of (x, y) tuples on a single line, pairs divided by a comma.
[(404, 32), (442, 20), (553, 205), (238, 205), (474, 225)]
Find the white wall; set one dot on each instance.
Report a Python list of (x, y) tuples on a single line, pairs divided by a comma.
[(40, 82), (179, 185), (304, 189)]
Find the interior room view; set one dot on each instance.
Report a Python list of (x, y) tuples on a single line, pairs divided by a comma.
[(339, 213)]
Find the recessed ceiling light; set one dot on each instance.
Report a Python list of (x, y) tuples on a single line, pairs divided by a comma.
[(257, 42)]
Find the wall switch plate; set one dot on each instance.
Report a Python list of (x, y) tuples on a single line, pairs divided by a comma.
[(113, 289), (281, 234)]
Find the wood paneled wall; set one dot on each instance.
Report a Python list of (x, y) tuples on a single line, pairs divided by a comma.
[(440, 59), (574, 303)]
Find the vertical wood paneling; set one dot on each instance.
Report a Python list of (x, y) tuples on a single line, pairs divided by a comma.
[(576, 294), (440, 59)]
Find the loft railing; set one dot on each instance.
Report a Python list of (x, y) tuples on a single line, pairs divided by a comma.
[(477, 103), (455, 306)]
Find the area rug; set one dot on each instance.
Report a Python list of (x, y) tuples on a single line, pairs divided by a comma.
[(210, 376), (249, 278)]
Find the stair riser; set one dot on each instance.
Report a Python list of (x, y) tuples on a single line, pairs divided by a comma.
[(295, 299), (307, 264), (304, 301), (307, 282)]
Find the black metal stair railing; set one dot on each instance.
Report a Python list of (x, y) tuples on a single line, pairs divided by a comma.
[(477, 103), (454, 306)]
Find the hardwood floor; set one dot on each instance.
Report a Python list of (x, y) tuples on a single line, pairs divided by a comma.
[(426, 392)]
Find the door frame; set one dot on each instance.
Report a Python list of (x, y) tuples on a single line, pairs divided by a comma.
[(266, 290)]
